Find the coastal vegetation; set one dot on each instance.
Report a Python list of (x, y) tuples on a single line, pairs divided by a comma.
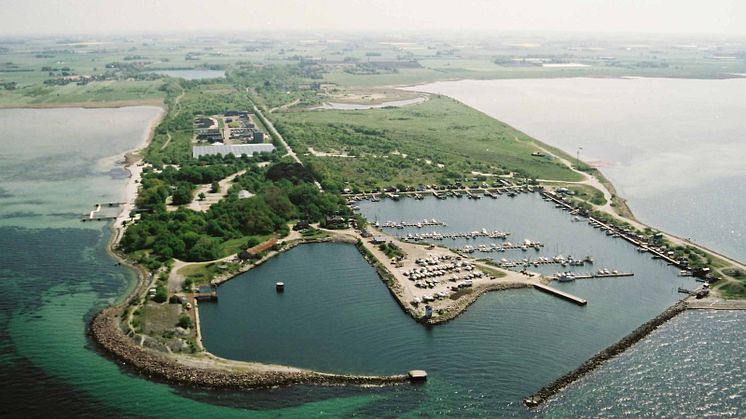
[(440, 141), (282, 192)]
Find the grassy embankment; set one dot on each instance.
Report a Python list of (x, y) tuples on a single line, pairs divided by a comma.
[(736, 286), (440, 141)]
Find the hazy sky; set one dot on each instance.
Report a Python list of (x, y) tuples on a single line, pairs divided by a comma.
[(654, 16)]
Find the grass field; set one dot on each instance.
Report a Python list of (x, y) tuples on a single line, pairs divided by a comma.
[(113, 93), (424, 143)]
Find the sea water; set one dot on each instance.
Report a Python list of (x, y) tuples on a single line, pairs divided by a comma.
[(56, 274), (674, 148)]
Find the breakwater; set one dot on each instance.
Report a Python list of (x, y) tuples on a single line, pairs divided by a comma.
[(557, 385), (211, 372)]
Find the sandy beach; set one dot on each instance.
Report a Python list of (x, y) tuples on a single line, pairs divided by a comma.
[(132, 161)]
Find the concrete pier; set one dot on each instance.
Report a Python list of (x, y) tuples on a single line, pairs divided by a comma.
[(417, 376), (561, 294)]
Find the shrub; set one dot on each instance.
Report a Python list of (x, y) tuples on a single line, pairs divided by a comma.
[(185, 321), (161, 294)]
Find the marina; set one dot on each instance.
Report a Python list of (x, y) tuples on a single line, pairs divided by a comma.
[(438, 275), (487, 292)]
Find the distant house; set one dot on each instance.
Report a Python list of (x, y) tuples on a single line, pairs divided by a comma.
[(301, 225), (336, 221), (263, 247)]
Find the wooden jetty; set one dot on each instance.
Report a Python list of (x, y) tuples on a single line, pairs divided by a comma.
[(554, 291)]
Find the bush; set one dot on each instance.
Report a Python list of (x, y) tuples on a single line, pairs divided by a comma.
[(187, 285), (161, 294), (185, 321)]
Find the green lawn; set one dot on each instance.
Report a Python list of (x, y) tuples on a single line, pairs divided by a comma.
[(202, 273), (233, 246)]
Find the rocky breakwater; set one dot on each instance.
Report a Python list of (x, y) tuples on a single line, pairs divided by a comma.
[(550, 390), (207, 371)]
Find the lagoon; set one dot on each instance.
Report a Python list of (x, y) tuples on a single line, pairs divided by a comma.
[(360, 106), (673, 147)]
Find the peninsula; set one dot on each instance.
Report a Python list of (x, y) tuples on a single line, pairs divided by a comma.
[(279, 152)]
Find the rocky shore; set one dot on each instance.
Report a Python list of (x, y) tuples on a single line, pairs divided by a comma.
[(212, 372), (550, 390)]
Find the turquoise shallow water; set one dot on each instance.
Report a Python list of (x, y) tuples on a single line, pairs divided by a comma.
[(55, 274)]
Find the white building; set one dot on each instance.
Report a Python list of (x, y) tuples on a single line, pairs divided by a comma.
[(237, 149)]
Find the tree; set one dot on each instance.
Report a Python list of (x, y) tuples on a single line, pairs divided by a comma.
[(215, 187), (206, 248), (251, 242), (182, 195), (202, 196)]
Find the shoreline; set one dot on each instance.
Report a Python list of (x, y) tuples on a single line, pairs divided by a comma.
[(113, 104), (104, 328), (131, 165), (625, 213), (235, 374)]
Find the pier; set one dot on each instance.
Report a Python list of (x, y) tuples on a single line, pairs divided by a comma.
[(496, 234), (554, 291), (418, 224), (571, 276), (91, 216), (615, 232), (557, 260), (444, 193)]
